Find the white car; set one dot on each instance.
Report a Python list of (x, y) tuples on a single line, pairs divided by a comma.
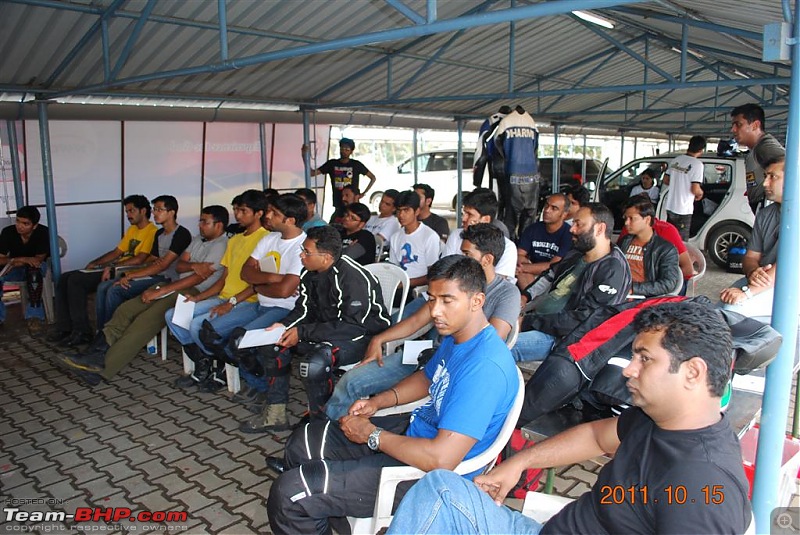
[(721, 219)]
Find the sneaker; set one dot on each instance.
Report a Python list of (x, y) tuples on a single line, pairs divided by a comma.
[(90, 362), (77, 339), (57, 337), (272, 418)]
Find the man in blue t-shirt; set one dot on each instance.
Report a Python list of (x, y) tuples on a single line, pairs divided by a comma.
[(545, 242), (333, 470)]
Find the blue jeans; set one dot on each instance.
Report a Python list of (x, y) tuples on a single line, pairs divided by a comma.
[(248, 315), (366, 380), (444, 502), (18, 274), (532, 345), (109, 297)]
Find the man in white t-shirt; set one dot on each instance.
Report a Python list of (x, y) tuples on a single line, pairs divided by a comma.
[(480, 206), (417, 246), (385, 223), (684, 176), (273, 273)]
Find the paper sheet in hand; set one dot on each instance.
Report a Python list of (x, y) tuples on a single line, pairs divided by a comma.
[(268, 264), (261, 337), (184, 312), (412, 349)]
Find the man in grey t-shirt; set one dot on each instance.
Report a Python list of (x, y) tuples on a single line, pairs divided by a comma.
[(482, 242), (752, 295)]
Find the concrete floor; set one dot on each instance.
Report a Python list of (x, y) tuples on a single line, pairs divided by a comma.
[(139, 443)]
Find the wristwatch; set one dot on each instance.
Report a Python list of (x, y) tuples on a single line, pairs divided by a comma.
[(747, 292), (374, 440), (233, 300)]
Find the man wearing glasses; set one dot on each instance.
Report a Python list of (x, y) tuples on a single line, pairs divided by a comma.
[(338, 311), (171, 240)]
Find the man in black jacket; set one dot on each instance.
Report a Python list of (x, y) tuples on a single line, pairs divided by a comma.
[(655, 269), (594, 273), (339, 309)]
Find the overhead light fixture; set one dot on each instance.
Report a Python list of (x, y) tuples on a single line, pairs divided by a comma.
[(594, 19), (689, 51), (740, 73)]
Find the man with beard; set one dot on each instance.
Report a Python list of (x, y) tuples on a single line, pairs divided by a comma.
[(593, 274)]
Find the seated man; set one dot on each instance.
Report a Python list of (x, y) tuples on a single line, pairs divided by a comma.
[(480, 206), (433, 221), (72, 326), (416, 247), (652, 259), (333, 470), (482, 242), (647, 185), (385, 223), (357, 242), (24, 247), (339, 309), (228, 291), (170, 241), (544, 242), (310, 198), (669, 232), (350, 194), (674, 437), (137, 320), (577, 198), (752, 295), (594, 273)]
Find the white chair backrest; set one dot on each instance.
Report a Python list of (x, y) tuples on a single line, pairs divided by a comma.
[(698, 263), (393, 475), (391, 277), (511, 339), (378, 247)]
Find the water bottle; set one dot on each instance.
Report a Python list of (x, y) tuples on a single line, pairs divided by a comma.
[(152, 345)]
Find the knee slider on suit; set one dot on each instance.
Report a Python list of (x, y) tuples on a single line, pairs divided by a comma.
[(266, 361), (317, 365)]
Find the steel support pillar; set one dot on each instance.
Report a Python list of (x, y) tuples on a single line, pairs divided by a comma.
[(775, 405), (19, 195), (49, 196)]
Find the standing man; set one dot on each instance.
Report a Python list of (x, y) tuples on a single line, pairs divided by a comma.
[(339, 309), (72, 326), (170, 241), (544, 242), (334, 470), (652, 259), (748, 127), (436, 222), (675, 437), (416, 247), (753, 294), (24, 247), (685, 176), (343, 171), (137, 320)]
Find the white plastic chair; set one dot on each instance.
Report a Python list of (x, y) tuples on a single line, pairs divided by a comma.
[(391, 476), (391, 277), (699, 265), (379, 243), (542, 507)]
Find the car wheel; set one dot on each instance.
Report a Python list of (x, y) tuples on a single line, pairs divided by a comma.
[(721, 239), (375, 201)]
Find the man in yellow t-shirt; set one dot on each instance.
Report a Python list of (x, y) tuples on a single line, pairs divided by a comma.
[(72, 326), (219, 299)]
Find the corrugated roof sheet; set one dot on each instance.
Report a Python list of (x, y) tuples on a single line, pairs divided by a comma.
[(465, 73)]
